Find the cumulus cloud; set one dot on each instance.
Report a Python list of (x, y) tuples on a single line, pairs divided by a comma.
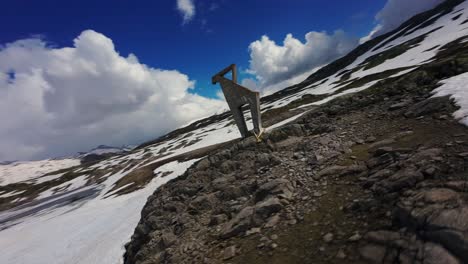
[(186, 9), (56, 101), (395, 12), (272, 63)]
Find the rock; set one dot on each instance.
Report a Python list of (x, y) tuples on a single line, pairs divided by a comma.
[(370, 139), (383, 237), (381, 143), (222, 183), (252, 231), (460, 186), (203, 202), (263, 159), (382, 150), (428, 106), (268, 207), (372, 253), (167, 239), (240, 223), (332, 170), (353, 169), (435, 254), (405, 178), (379, 161), (218, 219), (274, 237), (454, 241), (403, 134), (341, 254), (272, 221), (438, 195), (355, 237), (229, 252), (203, 164), (229, 166), (328, 237), (317, 194), (281, 188), (397, 106)]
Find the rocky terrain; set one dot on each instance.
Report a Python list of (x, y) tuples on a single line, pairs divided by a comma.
[(378, 176)]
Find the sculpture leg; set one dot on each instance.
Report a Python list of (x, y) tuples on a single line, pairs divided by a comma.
[(240, 121), (256, 114)]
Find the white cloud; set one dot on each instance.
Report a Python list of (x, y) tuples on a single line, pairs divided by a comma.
[(56, 101), (272, 63), (395, 12), (187, 9)]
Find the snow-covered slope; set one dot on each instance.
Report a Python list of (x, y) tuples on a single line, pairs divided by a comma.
[(31, 170), (87, 213)]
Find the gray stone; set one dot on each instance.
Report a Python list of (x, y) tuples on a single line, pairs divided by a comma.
[(341, 254), (435, 254), (268, 207), (373, 253), (240, 223), (328, 237), (428, 106), (355, 237), (279, 187), (229, 252)]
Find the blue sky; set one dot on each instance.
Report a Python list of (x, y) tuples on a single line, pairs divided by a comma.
[(219, 33)]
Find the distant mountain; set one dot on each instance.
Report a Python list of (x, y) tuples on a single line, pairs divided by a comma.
[(103, 149)]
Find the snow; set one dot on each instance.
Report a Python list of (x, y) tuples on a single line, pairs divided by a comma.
[(457, 88), (9, 194), (71, 185), (89, 231), (28, 170), (48, 178)]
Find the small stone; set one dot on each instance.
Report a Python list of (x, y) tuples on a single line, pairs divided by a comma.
[(328, 237), (273, 245), (229, 252), (370, 139), (322, 249), (272, 221), (274, 237), (355, 237), (341, 254), (317, 194), (252, 231)]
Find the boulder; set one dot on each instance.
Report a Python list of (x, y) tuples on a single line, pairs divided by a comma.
[(428, 106), (239, 224)]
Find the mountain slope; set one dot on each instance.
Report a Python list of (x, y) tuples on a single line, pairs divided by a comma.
[(100, 203)]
